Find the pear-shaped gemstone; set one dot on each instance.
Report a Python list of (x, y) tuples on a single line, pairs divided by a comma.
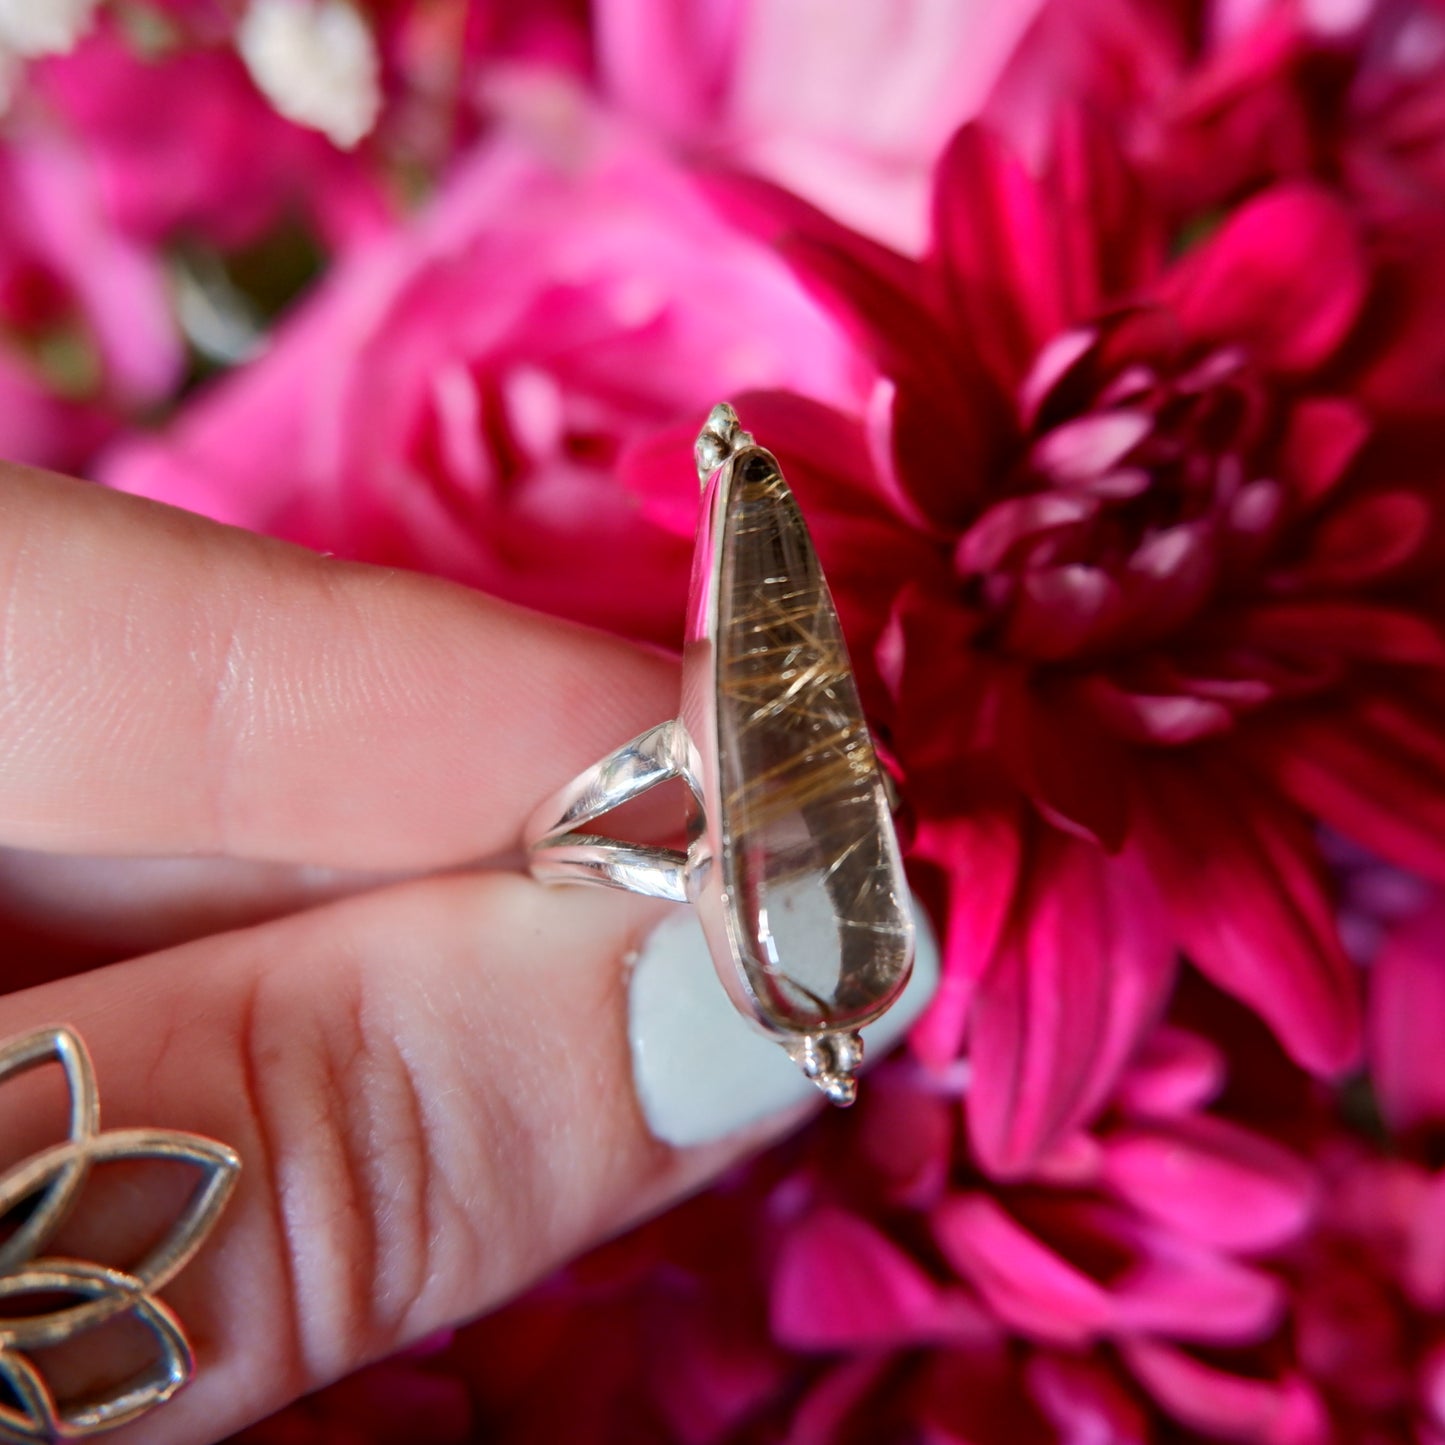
[(815, 891)]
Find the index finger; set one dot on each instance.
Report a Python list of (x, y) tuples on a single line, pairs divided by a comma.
[(171, 685)]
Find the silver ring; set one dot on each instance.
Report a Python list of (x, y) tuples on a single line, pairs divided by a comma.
[(791, 857)]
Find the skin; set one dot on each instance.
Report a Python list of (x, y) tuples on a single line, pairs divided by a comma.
[(422, 1062)]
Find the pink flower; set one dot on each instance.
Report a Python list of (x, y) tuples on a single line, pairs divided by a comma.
[(84, 311), (454, 400), (847, 105), (1407, 1007), (908, 1299), (1369, 1295), (1159, 531), (1368, 1284), (1177, 1272), (181, 143), (1215, 104)]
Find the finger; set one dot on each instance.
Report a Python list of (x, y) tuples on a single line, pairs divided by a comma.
[(169, 685), (80, 909), (430, 1090), (142, 905)]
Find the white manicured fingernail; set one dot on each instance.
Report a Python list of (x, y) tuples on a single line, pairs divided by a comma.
[(701, 1072)]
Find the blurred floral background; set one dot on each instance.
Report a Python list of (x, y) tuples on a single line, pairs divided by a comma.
[(1104, 344)]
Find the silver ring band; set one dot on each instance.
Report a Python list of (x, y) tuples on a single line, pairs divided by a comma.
[(562, 854)]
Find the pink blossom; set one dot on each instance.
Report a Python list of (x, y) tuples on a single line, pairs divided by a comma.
[(182, 144), (84, 309), (910, 1299), (839, 1283), (1174, 611), (847, 105), (1369, 1294), (1279, 1411), (454, 400), (1347, 91), (1407, 1013)]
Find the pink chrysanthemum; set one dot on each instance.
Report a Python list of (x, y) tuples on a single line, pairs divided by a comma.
[(877, 1288)]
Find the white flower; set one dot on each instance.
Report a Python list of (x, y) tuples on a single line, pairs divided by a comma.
[(43, 27), (315, 60)]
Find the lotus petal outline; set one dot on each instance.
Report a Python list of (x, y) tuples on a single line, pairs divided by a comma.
[(50, 1183)]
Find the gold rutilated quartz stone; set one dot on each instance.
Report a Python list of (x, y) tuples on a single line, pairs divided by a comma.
[(810, 894)]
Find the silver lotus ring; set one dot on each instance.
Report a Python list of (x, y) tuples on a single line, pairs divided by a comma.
[(791, 860), (50, 1299)]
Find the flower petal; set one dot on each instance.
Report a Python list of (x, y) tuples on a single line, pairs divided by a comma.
[(1363, 540), (1407, 1013), (1349, 1330), (1018, 522), (840, 1284), (1323, 436), (1374, 772), (1424, 1272), (982, 854), (1029, 1287), (719, 1367), (1243, 885), (1366, 631), (995, 241), (1175, 1072), (1284, 274), (120, 285), (1284, 1411), (661, 472), (667, 63), (834, 1402), (945, 419), (1022, 257), (1059, 611), (1156, 1282), (1087, 447), (946, 448), (1432, 1392), (939, 675), (1211, 1180), (1146, 717), (906, 1135), (1190, 1292), (1084, 1402), (1073, 769), (1109, 232), (1080, 975), (874, 291)]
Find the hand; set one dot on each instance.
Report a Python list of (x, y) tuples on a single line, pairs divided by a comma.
[(427, 1081)]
